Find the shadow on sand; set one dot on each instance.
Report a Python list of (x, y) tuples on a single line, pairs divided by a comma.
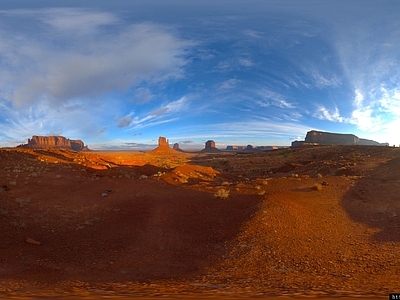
[(375, 200), (144, 230)]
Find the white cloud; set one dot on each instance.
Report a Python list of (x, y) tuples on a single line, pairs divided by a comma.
[(73, 21), (245, 62), (142, 95), (35, 67), (323, 113), (253, 34), (273, 98), (262, 129), (229, 84), (163, 114), (358, 99)]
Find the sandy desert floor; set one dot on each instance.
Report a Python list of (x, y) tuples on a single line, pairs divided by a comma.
[(307, 222)]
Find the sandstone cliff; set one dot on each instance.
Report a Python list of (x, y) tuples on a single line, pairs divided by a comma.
[(328, 138), (49, 142), (314, 137)]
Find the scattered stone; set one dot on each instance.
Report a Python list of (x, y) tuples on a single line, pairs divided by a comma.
[(32, 241), (58, 176), (318, 187), (13, 183), (106, 193), (34, 174), (143, 177)]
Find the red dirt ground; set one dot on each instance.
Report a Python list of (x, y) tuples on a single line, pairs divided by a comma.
[(321, 221)]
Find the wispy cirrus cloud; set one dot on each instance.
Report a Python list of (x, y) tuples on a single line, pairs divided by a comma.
[(229, 84), (272, 98), (163, 114)]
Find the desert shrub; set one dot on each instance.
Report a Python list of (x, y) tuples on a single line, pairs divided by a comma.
[(286, 153), (222, 194), (18, 224), (353, 156), (3, 212)]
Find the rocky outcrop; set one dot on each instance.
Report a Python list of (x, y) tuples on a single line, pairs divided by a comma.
[(51, 142)]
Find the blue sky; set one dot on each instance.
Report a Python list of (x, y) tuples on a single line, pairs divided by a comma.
[(119, 74)]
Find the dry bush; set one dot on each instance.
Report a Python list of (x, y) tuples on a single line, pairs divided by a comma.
[(222, 194)]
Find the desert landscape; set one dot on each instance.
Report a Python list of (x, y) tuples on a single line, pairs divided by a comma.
[(312, 221)]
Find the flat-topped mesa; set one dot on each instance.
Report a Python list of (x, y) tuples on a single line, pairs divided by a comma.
[(51, 142), (210, 147), (315, 137), (328, 138)]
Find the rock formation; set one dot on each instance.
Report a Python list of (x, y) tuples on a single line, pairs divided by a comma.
[(314, 137), (163, 142), (210, 147), (176, 147), (328, 138), (163, 147), (51, 142), (210, 144)]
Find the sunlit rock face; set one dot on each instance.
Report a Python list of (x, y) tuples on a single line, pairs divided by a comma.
[(163, 142), (49, 142)]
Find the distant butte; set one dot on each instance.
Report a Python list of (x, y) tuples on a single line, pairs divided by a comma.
[(177, 148), (210, 147), (54, 142), (163, 147)]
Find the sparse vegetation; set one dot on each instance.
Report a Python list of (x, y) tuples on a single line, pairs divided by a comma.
[(18, 224), (353, 157), (286, 153), (222, 194), (3, 212), (22, 202)]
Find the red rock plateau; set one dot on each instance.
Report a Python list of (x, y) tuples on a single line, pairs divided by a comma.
[(52, 142), (306, 222)]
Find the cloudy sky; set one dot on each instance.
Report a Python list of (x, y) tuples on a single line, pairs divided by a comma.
[(119, 74)]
